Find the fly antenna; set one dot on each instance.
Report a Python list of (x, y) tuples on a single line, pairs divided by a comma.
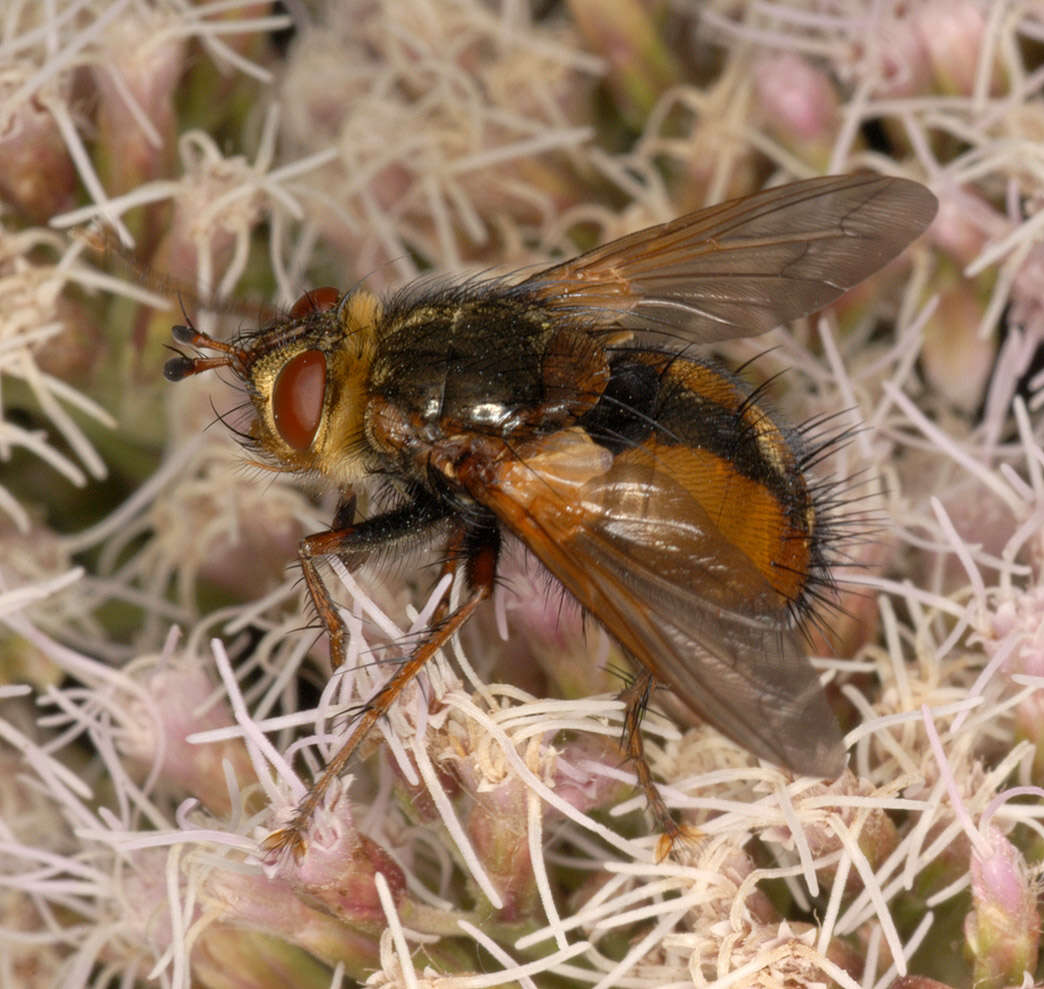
[(180, 367)]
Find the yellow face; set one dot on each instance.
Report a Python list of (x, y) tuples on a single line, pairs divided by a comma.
[(307, 379)]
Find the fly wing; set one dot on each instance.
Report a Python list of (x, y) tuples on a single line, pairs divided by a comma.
[(626, 537), (744, 266)]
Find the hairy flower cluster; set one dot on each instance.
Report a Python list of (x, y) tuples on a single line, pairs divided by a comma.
[(165, 697)]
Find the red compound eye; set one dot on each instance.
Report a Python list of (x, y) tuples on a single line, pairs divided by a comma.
[(297, 398), (317, 300)]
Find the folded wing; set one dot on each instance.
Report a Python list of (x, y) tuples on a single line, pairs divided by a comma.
[(626, 537), (747, 265)]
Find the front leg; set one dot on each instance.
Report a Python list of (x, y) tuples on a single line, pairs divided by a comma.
[(477, 550), (354, 543)]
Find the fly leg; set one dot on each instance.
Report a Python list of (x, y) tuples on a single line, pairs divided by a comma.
[(477, 550), (636, 698), (353, 543)]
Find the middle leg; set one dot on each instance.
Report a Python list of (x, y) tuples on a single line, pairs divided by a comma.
[(636, 698)]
